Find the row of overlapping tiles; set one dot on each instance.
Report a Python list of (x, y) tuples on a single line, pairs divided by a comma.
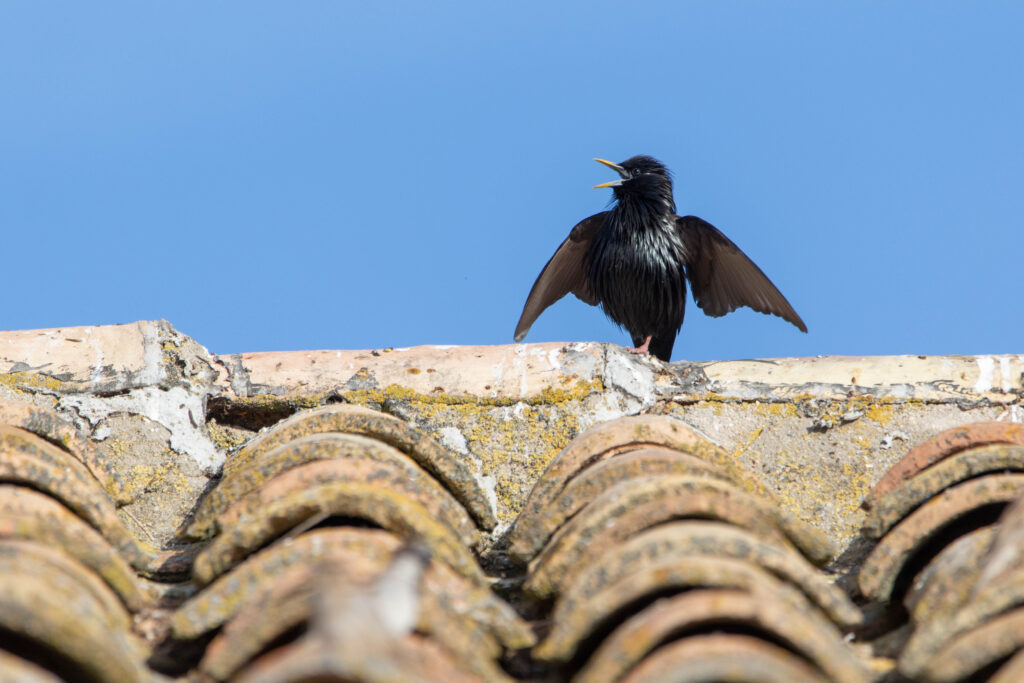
[(342, 542)]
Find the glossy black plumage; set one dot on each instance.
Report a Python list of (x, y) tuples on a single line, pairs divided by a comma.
[(634, 260)]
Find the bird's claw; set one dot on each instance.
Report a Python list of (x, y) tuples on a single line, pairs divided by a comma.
[(642, 349)]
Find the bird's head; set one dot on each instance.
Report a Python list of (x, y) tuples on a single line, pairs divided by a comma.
[(640, 177)]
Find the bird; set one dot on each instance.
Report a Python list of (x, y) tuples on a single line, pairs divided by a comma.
[(634, 261)]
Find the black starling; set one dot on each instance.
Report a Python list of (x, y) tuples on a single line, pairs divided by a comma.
[(635, 259)]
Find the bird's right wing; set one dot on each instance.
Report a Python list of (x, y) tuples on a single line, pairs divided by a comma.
[(723, 278), (564, 273)]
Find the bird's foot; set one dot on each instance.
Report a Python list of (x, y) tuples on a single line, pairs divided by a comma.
[(642, 349)]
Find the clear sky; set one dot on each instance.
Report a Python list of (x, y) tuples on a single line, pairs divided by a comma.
[(300, 175)]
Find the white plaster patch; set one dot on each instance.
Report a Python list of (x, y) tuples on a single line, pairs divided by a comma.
[(97, 366), (453, 439), (152, 355), (1004, 372), (520, 365), (497, 373), (608, 407), (888, 439), (489, 485), (986, 371), (899, 391), (629, 376), (180, 411)]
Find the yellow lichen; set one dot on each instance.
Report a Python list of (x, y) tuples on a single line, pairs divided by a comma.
[(227, 438), (29, 381), (775, 409)]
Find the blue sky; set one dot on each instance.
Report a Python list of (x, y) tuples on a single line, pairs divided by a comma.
[(281, 176)]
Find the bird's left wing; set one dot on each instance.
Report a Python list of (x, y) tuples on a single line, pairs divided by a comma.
[(723, 278), (563, 273)]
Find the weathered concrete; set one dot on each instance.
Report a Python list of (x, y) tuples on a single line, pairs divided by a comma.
[(818, 432)]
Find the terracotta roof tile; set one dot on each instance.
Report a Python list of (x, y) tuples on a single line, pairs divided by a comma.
[(390, 430), (385, 508), (413, 659), (723, 657), (24, 671), (1010, 672), (810, 638), (896, 549), (912, 493), (46, 424), (348, 458), (355, 643), (367, 548), (940, 447), (28, 515), (60, 607), (603, 441), (961, 657), (530, 536), (946, 581), (698, 538), (638, 504), (694, 515)]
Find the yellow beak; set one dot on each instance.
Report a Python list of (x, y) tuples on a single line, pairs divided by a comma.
[(615, 167)]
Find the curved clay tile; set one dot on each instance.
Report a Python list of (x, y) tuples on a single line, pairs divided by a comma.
[(531, 534), (1010, 672), (959, 658), (806, 633), (639, 504), (571, 627), (322, 458), (935, 635), (28, 557), (940, 447), (28, 460), (414, 659), (912, 493), (617, 436), (450, 470), (292, 600), (879, 572), (257, 576), (46, 424), (1006, 556), (946, 582), (384, 508), (723, 657), (30, 515), (42, 604), (24, 671), (261, 621), (700, 538), (975, 626)]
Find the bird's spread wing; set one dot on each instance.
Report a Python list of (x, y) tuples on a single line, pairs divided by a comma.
[(723, 278), (564, 273)]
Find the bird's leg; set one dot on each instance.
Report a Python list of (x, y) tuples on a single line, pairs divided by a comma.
[(642, 349)]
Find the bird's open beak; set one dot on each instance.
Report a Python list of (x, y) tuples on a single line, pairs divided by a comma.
[(615, 167)]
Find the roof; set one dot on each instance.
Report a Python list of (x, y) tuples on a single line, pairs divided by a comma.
[(534, 511)]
